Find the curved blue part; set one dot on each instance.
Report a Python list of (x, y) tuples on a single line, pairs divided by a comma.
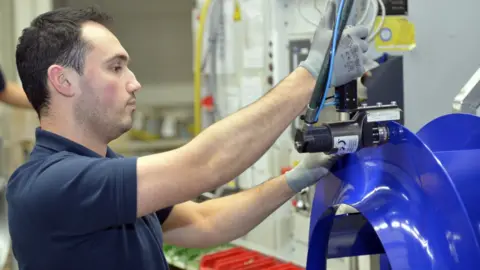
[(452, 132), (420, 203), (457, 150)]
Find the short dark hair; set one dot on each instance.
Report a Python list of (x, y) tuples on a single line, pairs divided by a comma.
[(53, 37)]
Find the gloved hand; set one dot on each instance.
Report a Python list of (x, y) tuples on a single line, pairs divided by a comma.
[(312, 168), (350, 59)]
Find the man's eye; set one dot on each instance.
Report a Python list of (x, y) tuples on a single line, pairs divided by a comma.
[(117, 68)]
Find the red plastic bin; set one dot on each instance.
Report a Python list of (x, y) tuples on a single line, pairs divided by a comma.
[(242, 259), (284, 266), (240, 262), (228, 259), (261, 264), (237, 261), (208, 261)]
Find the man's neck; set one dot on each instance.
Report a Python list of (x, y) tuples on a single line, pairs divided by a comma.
[(77, 134)]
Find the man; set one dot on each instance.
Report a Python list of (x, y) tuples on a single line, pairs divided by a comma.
[(77, 205), (12, 93)]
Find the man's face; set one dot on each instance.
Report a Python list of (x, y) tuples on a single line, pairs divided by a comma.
[(107, 87)]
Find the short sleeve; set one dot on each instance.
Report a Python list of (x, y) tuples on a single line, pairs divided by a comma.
[(2, 81), (82, 194), (163, 214)]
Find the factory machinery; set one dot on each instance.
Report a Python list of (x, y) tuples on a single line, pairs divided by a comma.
[(366, 125), (413, 195)]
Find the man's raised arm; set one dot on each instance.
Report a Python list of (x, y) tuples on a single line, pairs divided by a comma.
[(228, 147), (222, 151)]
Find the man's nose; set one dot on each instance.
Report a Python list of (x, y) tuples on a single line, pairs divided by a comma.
[(133, 86)]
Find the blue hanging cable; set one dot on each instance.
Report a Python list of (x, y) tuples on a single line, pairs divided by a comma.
[(336, 37)]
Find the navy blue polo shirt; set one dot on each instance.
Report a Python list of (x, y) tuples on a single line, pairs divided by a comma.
[(2, 80), (70, 208)]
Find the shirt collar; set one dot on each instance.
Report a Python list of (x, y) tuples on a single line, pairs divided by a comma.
[(57, 143)]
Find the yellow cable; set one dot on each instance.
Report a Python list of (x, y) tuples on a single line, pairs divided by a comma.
[(197, 75)]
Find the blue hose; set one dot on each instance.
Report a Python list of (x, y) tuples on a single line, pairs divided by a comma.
[(332, 56)]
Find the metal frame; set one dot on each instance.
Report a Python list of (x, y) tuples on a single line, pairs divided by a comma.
[(468, 99)]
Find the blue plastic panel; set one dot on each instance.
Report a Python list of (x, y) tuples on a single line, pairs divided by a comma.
[(452, 132), (421, 204)]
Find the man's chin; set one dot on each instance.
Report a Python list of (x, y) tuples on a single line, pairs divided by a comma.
[(127, 126), (124, 126), (120, 130)]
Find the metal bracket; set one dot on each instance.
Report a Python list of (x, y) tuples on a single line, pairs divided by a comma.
[(468, 99)]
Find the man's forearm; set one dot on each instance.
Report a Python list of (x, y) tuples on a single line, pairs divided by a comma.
[(236, 142), (222, 151), (231, 217)]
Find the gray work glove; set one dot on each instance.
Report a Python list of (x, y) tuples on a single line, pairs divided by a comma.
[(350, 59), (312, 168)]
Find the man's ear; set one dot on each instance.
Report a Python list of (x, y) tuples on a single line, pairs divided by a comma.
[(58, 78)]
